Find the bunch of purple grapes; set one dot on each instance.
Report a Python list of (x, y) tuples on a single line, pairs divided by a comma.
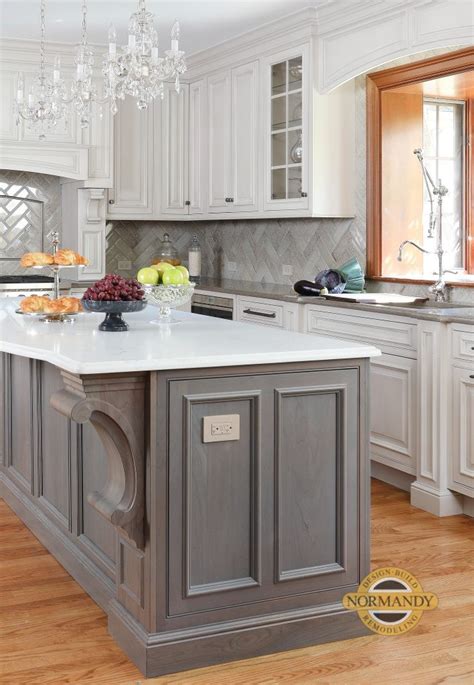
[(115, 288)]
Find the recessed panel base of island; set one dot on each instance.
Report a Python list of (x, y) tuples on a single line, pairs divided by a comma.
[(215, 511)]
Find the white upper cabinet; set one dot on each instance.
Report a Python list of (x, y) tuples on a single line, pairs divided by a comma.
[(309, 139), (220, 137), (132, 195), (197, 186), (286, 136), (233, 135), (244, 169), (174, 151)]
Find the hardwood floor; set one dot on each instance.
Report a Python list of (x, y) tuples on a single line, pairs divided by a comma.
[(52, 633)]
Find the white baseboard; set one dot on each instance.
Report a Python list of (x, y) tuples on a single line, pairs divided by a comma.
[(399, 479), (437, 502), (468, 506)]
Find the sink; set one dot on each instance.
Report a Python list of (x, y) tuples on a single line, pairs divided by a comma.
[(430, 304)]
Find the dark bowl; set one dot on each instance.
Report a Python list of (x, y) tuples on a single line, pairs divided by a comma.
[(113, 311)]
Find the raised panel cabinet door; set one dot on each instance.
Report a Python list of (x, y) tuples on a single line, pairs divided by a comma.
[(393, 415), (132, 193), (220, 142), (54, 458), (99, 137), (174, 150), (462, 431), (245, 158), (8, 87), (20, 421), (197, 190), (273, 513)]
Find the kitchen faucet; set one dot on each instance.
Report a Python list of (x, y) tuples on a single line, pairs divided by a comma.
[(439, 289)]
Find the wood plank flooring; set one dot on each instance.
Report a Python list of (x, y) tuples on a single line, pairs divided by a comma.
[(51, 633)]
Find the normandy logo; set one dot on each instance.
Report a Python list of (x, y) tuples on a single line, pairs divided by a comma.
[(390, 601)]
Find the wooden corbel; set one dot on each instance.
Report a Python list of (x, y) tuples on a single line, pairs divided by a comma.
[(115, 407)]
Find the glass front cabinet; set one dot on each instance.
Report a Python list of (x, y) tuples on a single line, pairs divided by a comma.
[(286, 131)]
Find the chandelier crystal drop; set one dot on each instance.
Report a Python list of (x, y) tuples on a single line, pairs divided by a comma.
[(41, 107), (137, 69)]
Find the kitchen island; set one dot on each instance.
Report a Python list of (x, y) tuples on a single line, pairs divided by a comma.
[(205, 482)]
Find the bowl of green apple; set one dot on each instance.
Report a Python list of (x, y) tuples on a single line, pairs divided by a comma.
[(166, 287)]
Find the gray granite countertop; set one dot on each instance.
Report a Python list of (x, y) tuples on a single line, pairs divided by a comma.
[(449, 312)]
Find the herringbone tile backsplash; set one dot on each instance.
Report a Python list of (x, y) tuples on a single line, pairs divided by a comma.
[(248, 250), (30, 209)]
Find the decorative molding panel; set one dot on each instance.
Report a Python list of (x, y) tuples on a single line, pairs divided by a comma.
[(309, 464), (58, 160), (205, 482)]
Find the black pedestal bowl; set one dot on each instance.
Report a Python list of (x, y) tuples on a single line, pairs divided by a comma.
[(113, 311)]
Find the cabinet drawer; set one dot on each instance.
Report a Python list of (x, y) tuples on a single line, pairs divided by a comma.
[(260, 312), (397, 337), (462, 344)]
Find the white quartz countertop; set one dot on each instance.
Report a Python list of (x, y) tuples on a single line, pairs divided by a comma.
[(193, 342)]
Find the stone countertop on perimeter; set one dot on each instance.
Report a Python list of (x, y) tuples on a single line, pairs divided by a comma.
[(448, 312)]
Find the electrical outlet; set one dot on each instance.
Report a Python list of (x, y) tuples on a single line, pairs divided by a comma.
[(231, 266), (125, 265), (287, 270), (221, 428)]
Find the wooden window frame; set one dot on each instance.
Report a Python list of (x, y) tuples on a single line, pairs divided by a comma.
[(377, 82)]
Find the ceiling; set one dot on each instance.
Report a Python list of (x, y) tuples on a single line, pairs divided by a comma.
[(203, 23)]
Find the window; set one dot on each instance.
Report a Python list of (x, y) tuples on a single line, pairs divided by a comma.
[(443, 149), (430, 105)]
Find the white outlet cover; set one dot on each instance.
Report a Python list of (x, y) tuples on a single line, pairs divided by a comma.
[(222, 428), (287, 270), (232, 266)]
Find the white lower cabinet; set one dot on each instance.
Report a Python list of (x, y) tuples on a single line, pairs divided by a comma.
[(267, 312), (393, 412), (393, 378), (461, 431)]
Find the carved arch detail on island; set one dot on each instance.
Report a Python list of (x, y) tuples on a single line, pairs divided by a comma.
[(122, 499)]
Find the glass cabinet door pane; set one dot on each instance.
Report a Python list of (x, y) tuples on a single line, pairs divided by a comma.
[(279, 184), (279, 113), (295, 73), (278, 149), (279, 78), (295, 181), (295, 109), (295, 146)]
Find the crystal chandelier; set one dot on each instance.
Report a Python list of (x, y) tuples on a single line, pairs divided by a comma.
[(42, 108), (83, 90), (137, 69)]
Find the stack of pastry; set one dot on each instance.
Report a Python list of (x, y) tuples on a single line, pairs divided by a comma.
[(42, 304), (62, 257)]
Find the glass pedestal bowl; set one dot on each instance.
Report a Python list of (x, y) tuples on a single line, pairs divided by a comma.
[(166, 298)]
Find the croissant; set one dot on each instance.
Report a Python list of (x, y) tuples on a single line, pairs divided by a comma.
[(65, 257), (36, 259), (69, 305), (33, 304), (81, 260)]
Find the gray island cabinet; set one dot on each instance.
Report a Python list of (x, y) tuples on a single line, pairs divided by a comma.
[(206, 484)]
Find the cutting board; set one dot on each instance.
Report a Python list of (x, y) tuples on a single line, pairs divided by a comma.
[(376, 298)]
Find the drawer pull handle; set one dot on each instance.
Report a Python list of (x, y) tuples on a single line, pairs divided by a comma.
[(472, 375), (268, 315)]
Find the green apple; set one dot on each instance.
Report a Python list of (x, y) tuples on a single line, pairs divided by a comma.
[(185, 273), (163, 266), (173, 277), (148, 276)]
